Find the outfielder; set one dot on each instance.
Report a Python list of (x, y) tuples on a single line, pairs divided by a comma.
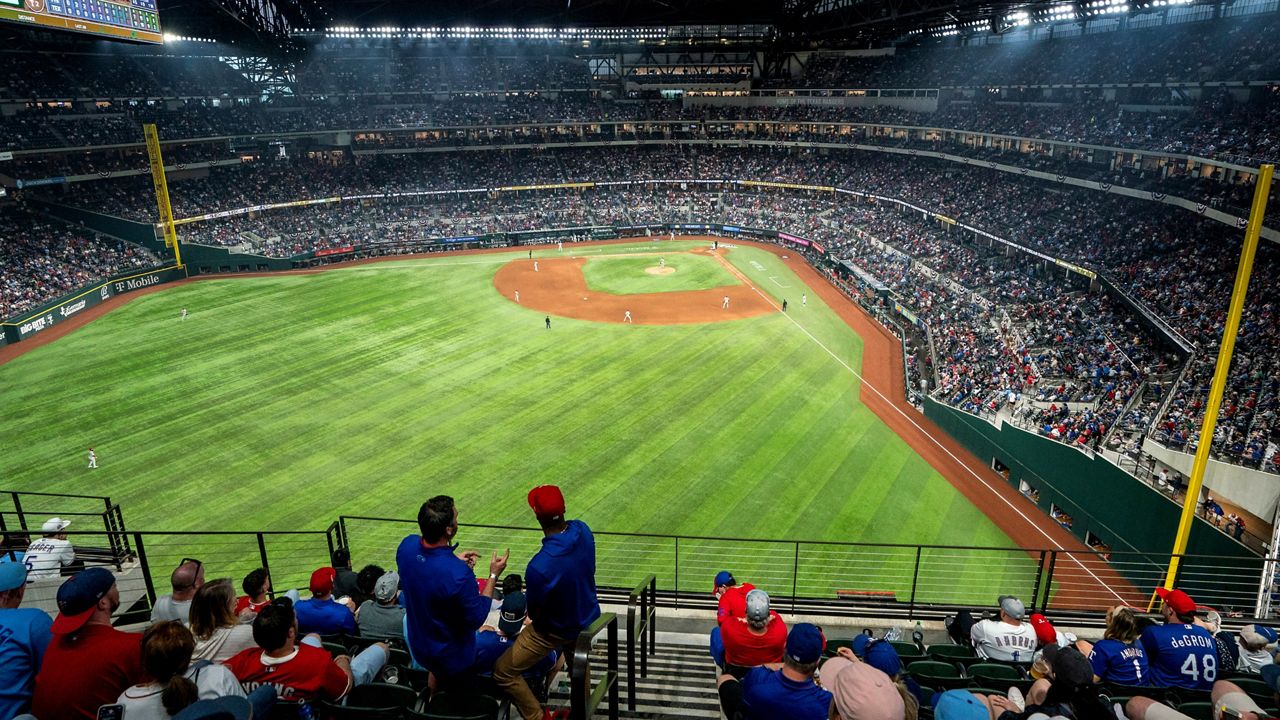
[(662, 262), (184, 313), (804, 299), (93, 459)]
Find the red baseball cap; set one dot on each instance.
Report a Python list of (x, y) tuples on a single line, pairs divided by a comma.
[(547, 502), (322, 580), (1181, 602), (1045, 632)]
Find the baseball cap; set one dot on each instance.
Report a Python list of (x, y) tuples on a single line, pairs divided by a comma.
[(12, 575), (78, 597), (757, 607), (514, 610), (54, 525), (724, 577), (805, 643), (1181, 602), (547, 502), (386, 586), (1252, 635), (861, 692), (1070, 667), (960, 705), (880, 655), (322, 580), (223, 708), (1012, 607), (1044, 629)]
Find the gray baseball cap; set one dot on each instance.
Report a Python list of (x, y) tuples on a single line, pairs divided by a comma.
[(757, 607), (386, 586), (1013, 607)]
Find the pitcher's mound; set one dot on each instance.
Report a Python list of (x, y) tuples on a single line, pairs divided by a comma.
[(655, 270)]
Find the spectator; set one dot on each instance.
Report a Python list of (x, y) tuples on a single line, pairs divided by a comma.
[(219, 633), (739, 643), (26, 633), (1068, 690), (1118, 657), (185, 580), (1008, 638), (862, 692), (89, 663), (322, 614), (345, 580), (47, 556), (788, 693), (492, 643), (1182, 654), (731, 598), (300, 671), (1254, 641), (383, 616), (879, 654), (257, 592), (561, 592), (1226, 695), (176, 682), (443, 607), (961, 705), (366, 581)]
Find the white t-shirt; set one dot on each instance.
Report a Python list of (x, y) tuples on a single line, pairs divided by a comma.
[(224, 643), (166, 609), (142, 702), (46, 557), (1252, 661), (998, 640)]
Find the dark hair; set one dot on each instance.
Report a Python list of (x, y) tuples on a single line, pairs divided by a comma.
[(211, 608), (512, 583), (271, 627), (803, 668), (341, 557), (368, 577), (255, 582), (166, 655), (435, 517)]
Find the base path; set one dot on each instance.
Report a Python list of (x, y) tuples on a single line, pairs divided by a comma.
[(559, 288)]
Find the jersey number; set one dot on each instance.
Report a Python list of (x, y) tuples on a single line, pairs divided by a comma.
[(1210, 668)]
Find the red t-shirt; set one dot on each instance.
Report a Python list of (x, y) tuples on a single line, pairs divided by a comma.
[(742, 647), (86, 670), (733, 602), (307, 674), (245, 602)]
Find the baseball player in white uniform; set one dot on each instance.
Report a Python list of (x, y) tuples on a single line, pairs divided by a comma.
[(184, 313), (626, 316), (662, 262), (725, 305), (46, 557), (804, 299), (535, 266), (517, 296), (1010, 638), (93, 459)]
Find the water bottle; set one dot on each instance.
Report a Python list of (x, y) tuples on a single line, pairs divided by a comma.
[(893, 633), (917, 635)]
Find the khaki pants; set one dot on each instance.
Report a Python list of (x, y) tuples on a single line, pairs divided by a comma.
[(530, 647)]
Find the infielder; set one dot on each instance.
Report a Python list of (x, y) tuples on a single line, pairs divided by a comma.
[(626, 316), (517, 297), (725, 304), (673, 236), (93, 459), (535, 266), (560, 245)]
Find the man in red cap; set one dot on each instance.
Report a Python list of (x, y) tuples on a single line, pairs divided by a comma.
[(322, 614), (1181, 653), (560, 587), (88, 663)]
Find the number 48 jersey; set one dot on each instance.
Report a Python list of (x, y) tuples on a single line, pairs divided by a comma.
[(1184, 656)]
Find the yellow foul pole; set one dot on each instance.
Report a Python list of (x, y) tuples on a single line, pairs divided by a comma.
[(1223, 367), (162, 191)]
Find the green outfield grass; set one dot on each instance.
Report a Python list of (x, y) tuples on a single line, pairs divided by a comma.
[(284, 401), (627, 275)]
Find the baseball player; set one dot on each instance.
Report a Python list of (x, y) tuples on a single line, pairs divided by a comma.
[(662, 262), (626, 316), (184, 313), (93, 459), (517, 297), (530, 253), (1181, 653), (673, 236), (46, 557), (560, 245), (548, 322), (804, 299), (535, 266), (784, 305), (725, 305)]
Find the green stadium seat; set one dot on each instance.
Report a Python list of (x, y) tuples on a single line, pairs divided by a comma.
[(1197, 710), (906, 648), (833, 647), (1181, 696), (1256, 688), (1131, 691), (458, 706), (947, 652), (336, 649), (382, 695), (937, 675)]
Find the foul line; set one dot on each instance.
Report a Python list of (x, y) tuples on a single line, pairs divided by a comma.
[(924, 432), (775, 282)]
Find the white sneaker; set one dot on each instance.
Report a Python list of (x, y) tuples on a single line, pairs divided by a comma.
[(1015, 697)]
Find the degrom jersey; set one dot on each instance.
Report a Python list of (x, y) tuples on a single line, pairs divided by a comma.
[(1182, 656), (1120, 663), (46, 557), (998, 640)]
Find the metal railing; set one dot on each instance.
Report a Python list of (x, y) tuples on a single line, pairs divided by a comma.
[(19, 522), (642, 633), (584, 698)]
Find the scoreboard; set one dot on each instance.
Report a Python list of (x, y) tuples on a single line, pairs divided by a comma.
[(135, 20)]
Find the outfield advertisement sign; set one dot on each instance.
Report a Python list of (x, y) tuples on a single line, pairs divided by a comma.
[(68, 306)]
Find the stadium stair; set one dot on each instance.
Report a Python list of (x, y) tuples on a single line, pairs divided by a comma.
[(681, 681)]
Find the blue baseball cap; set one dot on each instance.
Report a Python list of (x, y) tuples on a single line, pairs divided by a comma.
[(515, 608), (859, 645), (805, 643), (78, 598), (881, 656), (960, 705), (12, 575), (724, 577)]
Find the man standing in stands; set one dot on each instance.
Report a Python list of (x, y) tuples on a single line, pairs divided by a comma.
[(1008, 639), (26, 636), (1182, 654), (443, 607), (46, 557), (88, 663), (560, 587), (186, 579)]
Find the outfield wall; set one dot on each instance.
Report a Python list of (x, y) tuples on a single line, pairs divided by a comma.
[(26, 325), (1102, 499)]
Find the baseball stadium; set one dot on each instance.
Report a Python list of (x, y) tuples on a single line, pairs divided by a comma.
[(799, 359)]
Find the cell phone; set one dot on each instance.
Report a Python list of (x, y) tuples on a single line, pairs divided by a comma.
[(1226, 713), (111, 712)]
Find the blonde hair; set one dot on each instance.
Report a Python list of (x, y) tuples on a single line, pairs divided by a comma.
[(1122, 625), (211, 608)]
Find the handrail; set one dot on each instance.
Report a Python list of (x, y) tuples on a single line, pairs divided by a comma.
[(583, 698), (645, 629)]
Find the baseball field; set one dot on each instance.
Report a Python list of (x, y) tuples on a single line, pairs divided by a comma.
[(283, 401)]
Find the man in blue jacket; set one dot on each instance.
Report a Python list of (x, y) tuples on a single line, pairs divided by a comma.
[(443, 605), (560, 586), (26, 634)]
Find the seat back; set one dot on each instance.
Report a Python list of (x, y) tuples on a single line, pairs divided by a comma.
[(942, 651), (382, 695), (994, 671), (459, 706)]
